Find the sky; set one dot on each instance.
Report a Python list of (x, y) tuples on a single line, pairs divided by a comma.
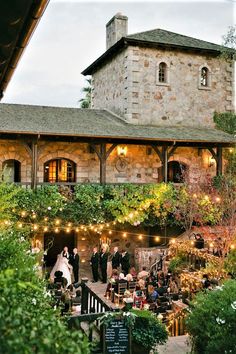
[(71, 35)]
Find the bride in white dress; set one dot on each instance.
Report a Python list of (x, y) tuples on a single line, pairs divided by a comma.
[(63, 265)]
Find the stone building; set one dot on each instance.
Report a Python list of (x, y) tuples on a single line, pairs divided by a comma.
[(153, 98)]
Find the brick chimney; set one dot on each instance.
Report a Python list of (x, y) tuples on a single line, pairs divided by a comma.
[(116, 28)]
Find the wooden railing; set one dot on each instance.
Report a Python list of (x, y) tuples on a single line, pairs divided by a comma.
[(91, 302)]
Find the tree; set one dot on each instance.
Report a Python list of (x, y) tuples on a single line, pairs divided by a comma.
[(87, 90), (229, 40)]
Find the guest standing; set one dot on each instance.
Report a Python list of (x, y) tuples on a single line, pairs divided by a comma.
[(94, 263), (115, 258), (75, 264), (103, 264), (125, 262)]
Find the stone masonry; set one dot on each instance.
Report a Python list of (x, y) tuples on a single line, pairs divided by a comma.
[(139, 166), (127, 85)]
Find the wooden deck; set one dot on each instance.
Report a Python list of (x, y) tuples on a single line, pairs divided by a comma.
[(99, 289)]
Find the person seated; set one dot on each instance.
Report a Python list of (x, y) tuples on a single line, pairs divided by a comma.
[(173, 287), (151, 280), (133, 272), (143, 274), (161, 289), (139, 299), (112, 282), (152, 294), (58, 278), (129, 277), (141, 284)]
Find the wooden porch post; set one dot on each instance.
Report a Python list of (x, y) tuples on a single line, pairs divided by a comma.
[(219, 161), (103, 163), (165, 163), (34, 164), (103, 155)]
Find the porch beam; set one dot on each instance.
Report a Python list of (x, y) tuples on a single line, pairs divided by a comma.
[(109, 151), (214, 154), (172, 150), (157, 151)]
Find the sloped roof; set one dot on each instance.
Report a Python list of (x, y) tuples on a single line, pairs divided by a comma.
[(157, 38), (160, 36), (93, 123)]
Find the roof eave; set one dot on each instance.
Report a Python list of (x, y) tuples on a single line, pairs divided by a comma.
[(30, 24), (124, 41)]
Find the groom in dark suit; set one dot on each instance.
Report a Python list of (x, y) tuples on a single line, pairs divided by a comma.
[(75, 264)]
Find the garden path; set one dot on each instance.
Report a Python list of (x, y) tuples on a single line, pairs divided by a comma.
[(175, 345)]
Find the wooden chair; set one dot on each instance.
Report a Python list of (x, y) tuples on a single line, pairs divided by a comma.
[(132, 286), (122, 287)]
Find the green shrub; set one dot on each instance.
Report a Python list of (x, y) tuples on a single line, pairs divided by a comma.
[(177, 263), (212, 324), (28, 322), (148, 331), (230, 262)]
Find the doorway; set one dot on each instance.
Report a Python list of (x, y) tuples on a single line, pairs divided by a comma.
[(54, 244)]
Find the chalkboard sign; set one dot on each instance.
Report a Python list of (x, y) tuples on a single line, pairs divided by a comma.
[(116, 338)]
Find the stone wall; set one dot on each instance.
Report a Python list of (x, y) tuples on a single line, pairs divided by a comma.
[(128, 86), (139, 166), (110, 85)]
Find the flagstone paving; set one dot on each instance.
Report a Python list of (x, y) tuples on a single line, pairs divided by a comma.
[(175, 345)]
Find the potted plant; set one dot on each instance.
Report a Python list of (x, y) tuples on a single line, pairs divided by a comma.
[(147, 332)]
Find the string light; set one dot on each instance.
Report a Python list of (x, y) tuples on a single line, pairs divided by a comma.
[(157, 238), (35, 227), (68, 230), (23, 214), (140, 237), (45, 229), (56, 230), (57, 222), (124, 234)]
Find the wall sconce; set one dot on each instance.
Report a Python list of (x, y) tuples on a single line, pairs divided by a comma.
[(211, 161), (122, 151)]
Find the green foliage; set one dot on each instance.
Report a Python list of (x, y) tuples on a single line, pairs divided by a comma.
[(230, 262), (45, 201), (28, 322), (225, 121), (87, 90), (151, 204), (229, 40), (211, 323), (8, 200), (148, 331), (178, 263)]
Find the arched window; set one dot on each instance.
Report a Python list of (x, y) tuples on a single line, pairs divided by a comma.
[(162, 74), (59, 170), (175, 173), (204, 80), (11, 171)]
